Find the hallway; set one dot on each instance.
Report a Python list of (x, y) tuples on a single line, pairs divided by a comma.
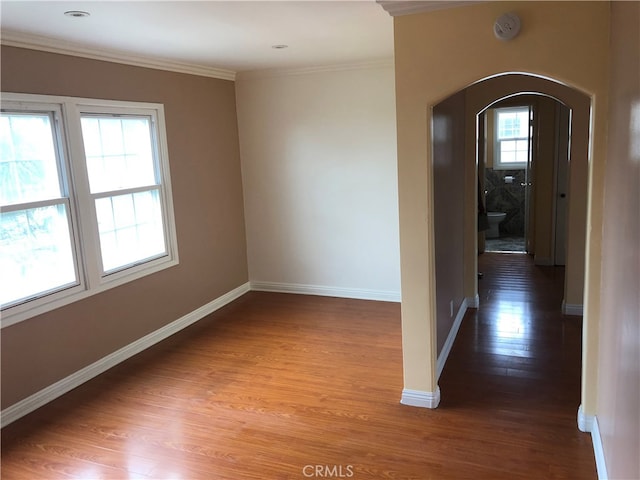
[(516, 360)]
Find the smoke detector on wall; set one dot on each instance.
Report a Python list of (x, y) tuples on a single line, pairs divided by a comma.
[(507, 26)]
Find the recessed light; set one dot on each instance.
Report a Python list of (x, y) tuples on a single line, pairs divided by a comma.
[(77, 13), (279, 47)]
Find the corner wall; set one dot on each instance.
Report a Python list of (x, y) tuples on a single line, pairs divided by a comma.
[(320, 180)]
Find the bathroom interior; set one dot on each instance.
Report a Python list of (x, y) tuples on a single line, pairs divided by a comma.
[(505, 176), (506, 210)]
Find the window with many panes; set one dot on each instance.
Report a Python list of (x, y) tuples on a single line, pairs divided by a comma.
[(511, 138), (85, 199)]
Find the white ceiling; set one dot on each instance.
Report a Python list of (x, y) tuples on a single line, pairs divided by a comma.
[(224, 36)]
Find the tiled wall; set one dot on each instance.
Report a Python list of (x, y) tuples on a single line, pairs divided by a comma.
[(508, 198)]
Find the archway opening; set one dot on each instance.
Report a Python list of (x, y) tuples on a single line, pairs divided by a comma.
[(458, 155)]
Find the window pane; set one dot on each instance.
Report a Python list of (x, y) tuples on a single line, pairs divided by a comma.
[(513, 123), (119, 152), (522, 145), (36, 254), (131, 229), (28, 164), (507, 146), (508, 157), (521, 157)]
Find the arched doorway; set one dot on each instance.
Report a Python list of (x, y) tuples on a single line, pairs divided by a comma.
[(455, 194), (487, 92), (433, 61)]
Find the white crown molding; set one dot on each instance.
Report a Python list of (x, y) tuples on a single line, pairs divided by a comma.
[(45, 44), (285, 72), (397, 8)]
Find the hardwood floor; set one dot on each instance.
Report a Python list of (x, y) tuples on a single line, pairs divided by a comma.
[(273, 385)]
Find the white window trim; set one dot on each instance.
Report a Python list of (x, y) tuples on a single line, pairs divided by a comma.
[(81, 212), (497, 163)]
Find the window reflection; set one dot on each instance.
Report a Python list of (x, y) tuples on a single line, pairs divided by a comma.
[(510, 321)]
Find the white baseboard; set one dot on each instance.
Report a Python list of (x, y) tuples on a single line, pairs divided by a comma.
[(448, 344), (572, 308), (46, 395), (585, 422), (598, 451), (325, 291), (589, 424), (419, 398), (473, 302)]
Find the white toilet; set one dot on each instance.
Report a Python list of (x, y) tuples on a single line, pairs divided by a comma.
[(494, 220)]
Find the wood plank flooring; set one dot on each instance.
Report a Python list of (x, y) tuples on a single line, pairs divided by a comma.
[(274, 385)]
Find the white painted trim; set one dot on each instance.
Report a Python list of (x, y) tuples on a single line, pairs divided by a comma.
[(585, 422), (46, 44), (326, 291), (286, 72), (91, 279), (46, 395), (598, 451), (572, 308), (473, 302), (419, 398), (448, 344), (397, 8)]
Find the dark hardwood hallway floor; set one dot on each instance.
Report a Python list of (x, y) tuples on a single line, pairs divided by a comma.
[(274, 385)]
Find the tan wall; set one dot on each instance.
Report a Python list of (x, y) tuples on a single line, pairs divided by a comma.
[(434, 60), (448, 165), (619, 380), (207, 192)]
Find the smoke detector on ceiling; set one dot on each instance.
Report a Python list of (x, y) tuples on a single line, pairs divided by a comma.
[(507, 26)]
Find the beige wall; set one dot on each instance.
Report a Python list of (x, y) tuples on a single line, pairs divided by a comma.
[(448, 166), (619, 380), (207, 192), (434, 60), (320, 175)]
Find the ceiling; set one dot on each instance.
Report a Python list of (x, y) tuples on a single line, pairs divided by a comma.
[(218, 37)]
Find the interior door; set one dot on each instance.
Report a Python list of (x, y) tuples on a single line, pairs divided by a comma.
[(528, 185), (563, 117)]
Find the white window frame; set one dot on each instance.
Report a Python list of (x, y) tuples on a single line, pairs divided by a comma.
[(498, 164), (82, 215)]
